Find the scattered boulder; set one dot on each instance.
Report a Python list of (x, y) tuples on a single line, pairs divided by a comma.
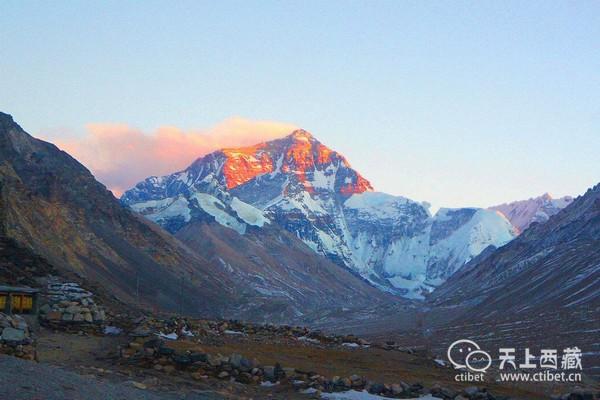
[(13, 335), (443, 393)]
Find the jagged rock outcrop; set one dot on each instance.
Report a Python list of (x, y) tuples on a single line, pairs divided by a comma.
[(523, 213)]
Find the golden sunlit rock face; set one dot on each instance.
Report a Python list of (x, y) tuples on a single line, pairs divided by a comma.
[(300, 154), (361, 185), (244, 164)]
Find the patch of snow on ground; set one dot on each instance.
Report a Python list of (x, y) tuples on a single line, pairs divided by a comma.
[(327, 241), (485, 228), (112, 330), (151, 204), (230, 332), (183, 177), (169, 336), (364, 395), (226, 265), (180, 207), (305, 203), (307, 339)]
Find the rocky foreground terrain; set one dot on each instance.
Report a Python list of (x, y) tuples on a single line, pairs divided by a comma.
[(270, 363), (170, 357), (52, 383), (131, 355)]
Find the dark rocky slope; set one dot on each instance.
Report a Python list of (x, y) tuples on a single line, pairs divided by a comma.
[(542, 290), (289, 277), (51, 204)]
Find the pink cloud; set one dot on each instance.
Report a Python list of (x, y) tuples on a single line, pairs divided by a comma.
[(120, 156)]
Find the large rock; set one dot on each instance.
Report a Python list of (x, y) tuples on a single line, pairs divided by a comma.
[(13, 335)]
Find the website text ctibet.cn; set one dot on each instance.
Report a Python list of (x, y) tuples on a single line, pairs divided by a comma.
[(547, 366)]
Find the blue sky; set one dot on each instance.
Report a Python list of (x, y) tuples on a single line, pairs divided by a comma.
[(456, 103)]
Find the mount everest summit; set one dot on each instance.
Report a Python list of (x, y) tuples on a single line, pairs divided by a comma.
[(301, 185)]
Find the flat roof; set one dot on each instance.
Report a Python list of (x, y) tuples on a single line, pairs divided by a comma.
[(18, 289)]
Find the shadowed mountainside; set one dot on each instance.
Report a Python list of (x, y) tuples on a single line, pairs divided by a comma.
[(52, 205)]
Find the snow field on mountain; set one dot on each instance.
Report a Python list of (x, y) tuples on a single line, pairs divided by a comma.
[(251, 215), (216, 208), (158, 210)]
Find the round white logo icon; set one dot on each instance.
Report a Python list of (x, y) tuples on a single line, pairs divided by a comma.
[(465, 353)]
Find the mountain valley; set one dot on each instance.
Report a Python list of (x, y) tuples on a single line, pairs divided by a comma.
[(282, 252)]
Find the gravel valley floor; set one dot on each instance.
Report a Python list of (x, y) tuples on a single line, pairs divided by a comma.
[(25, 380)]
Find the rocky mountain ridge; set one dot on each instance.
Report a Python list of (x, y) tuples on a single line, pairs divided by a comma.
[(523, 213)]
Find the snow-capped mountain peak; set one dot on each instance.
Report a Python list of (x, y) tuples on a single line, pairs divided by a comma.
[(301, 185), (299, 156), (301, 135)]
